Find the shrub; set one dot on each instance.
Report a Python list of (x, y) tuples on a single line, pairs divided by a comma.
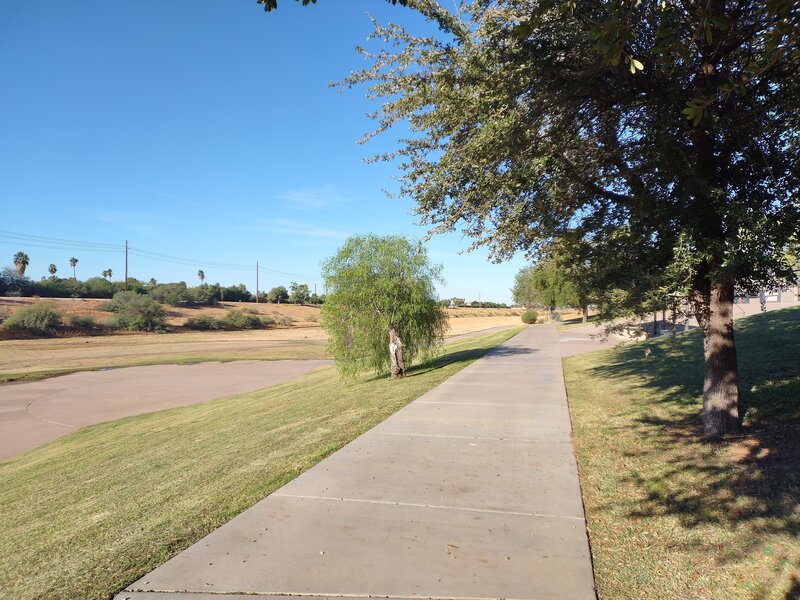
[(82, 322), (41, 318), (99, 287), (529, 317), (203, 322), (203, 295), (174, 294), (136, 312), (242, 319)]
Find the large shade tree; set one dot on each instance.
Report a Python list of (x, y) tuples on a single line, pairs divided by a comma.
[(545, 284), (278, 294), (662, 135), (381, 309)]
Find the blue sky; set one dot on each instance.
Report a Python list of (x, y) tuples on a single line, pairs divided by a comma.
[(202, 131)]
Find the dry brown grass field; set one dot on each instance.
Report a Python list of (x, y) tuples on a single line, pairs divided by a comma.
[(299, 315), (301, 338)]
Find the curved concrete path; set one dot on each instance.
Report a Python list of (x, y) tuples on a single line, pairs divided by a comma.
[(34, 413), (587, 338), (469, 492)]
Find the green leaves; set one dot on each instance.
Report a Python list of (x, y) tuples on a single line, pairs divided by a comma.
[(696, 109), (373, 282), (612, 125)]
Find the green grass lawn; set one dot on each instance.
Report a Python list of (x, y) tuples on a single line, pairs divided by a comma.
[(91, 512), (672, 516)]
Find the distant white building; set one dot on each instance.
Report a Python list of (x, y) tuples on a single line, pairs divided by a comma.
[(771, 300)]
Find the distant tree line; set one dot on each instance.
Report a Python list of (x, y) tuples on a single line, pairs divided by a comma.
[(460, 303), (14, 282)]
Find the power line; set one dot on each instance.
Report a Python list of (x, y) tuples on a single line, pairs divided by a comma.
[(10, 238), (40, 241)]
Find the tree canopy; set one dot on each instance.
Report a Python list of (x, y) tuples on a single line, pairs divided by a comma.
[(299, 293), (273, 4), (277, 295), (381, 298), (544, 284), (656, 144)]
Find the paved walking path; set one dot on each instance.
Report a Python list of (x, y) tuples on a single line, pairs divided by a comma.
[(34, 413), (587, 338), (471, 491)]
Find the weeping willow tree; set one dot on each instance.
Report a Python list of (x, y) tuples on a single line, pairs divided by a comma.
[(381, 310)]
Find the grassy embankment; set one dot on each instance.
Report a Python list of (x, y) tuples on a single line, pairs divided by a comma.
[(87, 514), (670, 515)]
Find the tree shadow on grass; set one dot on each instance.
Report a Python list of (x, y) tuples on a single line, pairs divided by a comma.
[(465, 355), (751, 481), (768, 347)]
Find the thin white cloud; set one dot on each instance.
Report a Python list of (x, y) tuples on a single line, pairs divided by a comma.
[(145, 224), (313, 198), (296, 228), (178, 198)]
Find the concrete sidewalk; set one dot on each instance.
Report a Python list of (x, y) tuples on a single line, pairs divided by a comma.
[(471, 491)]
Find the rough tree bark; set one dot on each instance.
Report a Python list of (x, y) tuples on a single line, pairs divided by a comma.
[(585, 310), (398, 368), (720, 387)]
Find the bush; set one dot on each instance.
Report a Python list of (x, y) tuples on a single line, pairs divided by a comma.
[(174, 294), (529, 317), (82, 322), (41, 318), (136, 312), (203, 322), (202, 296), (99, 287), (242, 319)]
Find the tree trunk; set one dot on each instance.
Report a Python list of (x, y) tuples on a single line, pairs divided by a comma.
[(398, 368), (720, 387), (585, 313)]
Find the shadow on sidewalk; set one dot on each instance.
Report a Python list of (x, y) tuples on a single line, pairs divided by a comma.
[(465, 355)]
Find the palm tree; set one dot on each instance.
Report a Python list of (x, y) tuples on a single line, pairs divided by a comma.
[(21, 261), (73, 262), (108, 273), (201, 274), (52, 269)]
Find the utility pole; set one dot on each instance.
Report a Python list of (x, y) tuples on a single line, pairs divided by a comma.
[(256, 282), (126, 265)]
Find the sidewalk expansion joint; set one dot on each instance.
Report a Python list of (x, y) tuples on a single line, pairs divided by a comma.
[(431, 506), (310, 595), (491, 404), (468, 437)]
